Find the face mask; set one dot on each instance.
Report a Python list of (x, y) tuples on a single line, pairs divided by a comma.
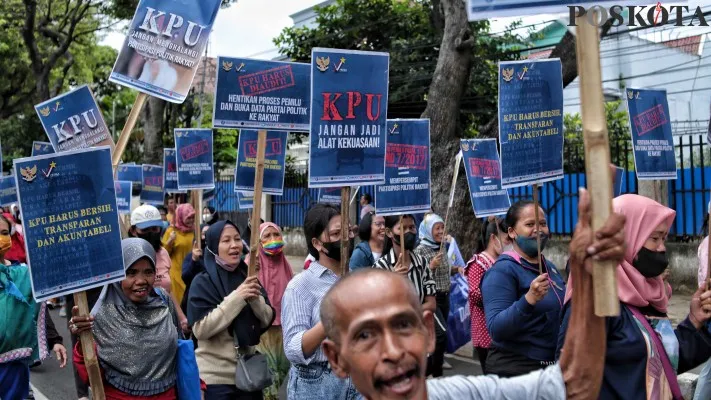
[(333, 249), (410, 240), (223, 263), (153, 238), (207, 217), (650, 263), (273, 248), (5, 244), (529, 246)]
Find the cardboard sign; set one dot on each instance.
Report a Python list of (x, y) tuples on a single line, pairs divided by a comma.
[(349, 98), (330, 195), (152, 191), (70, 221), (481, 161), (132, 173), (274, 162), (262, 94), (245, 200), (123, 196), (8, 191), (618, 181), (194, 159), (41, 148), (170, 172)]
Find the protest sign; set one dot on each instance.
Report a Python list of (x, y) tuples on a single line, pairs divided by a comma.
[(163, 47), (349, 98), (274, 162), (651, 131), (481, 161), (8, 191), (530, 122), (619, 180), (407, 169), (41, 148), (0, 158), (170, 172), (152, 191), (132, 173), (73, 121), (194, 159), (485, 9), (245, 200), (262, 94), (73, 244), (330, 195), (123, 196)]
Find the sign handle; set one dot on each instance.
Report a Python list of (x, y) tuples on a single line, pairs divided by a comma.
[(536, 205), (126, 131), (597, 161), (257, 205), (197, 204), (345, 227)]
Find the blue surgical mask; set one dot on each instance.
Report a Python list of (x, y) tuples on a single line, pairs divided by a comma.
[(529, 245)]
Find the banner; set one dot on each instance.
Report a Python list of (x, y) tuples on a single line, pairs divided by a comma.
[(123, 196), (8, 191), (330, 196), (349, 99), (73, 244), (73, 121), (41, 148), (132, 173), (455, 256), (618, 181), (530, 122), (274, 162), (481, 161), (164, 46), (485, 9), (652, 139), (407, 169), (245, 200), (194, 159), (262, 94), (170, 172), (152, 191)]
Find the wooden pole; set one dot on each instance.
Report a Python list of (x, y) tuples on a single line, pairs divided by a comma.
[(126, 131), (536, 206), (404, 256), (257, 208), (197, 204), (597, 160), (345, 228)]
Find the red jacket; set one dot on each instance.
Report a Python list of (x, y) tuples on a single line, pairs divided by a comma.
[(17, 251)]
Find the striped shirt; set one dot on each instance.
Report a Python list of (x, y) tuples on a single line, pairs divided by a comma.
[(300, 310), (441, 275), (476, 267), (419, 274)]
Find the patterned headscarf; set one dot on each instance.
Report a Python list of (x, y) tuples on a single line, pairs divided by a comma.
[(184, 212)]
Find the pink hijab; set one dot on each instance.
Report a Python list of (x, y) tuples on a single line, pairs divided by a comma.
[(183, 212), (274, 273), (643, 216)]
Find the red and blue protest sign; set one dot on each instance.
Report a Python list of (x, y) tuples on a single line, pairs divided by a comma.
[(407, 169), (132, 173), (170, 172), (481, 162), (274, 162), (41, 148), (349, 98), (8, 191), (152, 191), (70, 221), (73, 121), (194, 159), (262, 94), (123, 196), (652, 139), (163, 47), (330, 195), (530, 122)]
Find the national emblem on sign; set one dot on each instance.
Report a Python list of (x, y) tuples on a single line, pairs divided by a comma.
[(29, 174), (44, 111), (508, 74), (465, 146), (38, 146), (322, 63), (630, 94), (227, 66)]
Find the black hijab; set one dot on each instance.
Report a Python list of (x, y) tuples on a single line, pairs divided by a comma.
[(209, 289)]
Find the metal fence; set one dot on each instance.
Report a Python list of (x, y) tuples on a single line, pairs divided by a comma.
[(688, 194)]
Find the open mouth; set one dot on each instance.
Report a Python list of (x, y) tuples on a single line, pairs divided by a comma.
[(142, 292), (400, 384)]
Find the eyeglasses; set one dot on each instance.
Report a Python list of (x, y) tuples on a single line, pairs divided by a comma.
[(379, 224)]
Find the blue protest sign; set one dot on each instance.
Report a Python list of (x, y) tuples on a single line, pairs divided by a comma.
[(618, 181), (262, 94), (170, 172), (349, 99), (41, 148), (530, 122), (407, 169), (132, 173), (73, 121), (123, 196), (330, 195), (245, 200), (274, 162), (70, 221), (0, 158), (481, 161), (163, 47), (652, 139), (8, 191), (485, 9), (194, 159), (152, 191)]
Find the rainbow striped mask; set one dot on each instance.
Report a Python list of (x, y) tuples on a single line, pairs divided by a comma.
[(273, 248)]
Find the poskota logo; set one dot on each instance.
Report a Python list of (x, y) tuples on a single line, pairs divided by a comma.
[(642, 16)]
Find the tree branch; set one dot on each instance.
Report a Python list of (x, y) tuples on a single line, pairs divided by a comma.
[(28, 35), (59, 83)]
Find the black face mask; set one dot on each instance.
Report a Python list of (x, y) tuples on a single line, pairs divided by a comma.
[(334, 248), (650, 263), (410, 240), (153, 238)]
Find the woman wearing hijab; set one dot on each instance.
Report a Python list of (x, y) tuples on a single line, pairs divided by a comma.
[(209, 216), (178, 241), (372, 239), (17, 251), (644, 352), (136, 330), (228, 312)]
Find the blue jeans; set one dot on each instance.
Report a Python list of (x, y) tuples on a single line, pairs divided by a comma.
[(703, 384), (317, 382)]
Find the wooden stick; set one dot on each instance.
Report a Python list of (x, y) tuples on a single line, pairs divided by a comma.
[(197, 204), (126, 131), (345, 227), (257, 208), (597, 160), (404, 256), (538, 227)]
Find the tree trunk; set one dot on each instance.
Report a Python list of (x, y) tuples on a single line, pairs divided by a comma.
[(152, 121)]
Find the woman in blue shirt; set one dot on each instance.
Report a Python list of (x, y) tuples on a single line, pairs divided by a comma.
[(522, 305), (371, 232)]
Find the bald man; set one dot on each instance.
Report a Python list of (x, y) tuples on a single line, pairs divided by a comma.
[(379, 335)]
